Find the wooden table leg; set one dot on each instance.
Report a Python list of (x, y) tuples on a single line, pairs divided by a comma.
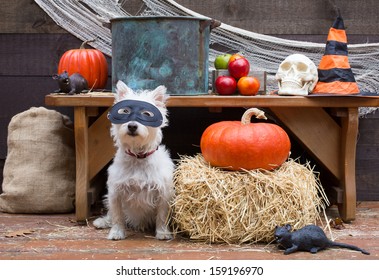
[(82, 169), (349, 130), (94, 149)]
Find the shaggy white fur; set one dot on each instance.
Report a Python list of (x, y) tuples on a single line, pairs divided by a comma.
[(140, 179)]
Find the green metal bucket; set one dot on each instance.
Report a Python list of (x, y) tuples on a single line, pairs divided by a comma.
[(170, 51)]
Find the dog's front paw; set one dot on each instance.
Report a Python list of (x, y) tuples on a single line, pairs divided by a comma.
[(117, 232), (102, 222), (163, 235)]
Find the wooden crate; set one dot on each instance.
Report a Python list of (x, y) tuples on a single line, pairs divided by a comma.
[(261, 75)]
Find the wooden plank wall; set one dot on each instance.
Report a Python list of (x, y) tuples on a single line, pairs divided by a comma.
[(31, 45)]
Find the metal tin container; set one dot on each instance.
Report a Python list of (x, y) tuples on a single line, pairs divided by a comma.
[(170, 51)]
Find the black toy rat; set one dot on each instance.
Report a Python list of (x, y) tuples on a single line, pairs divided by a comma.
[(75, 83), (310, 238)]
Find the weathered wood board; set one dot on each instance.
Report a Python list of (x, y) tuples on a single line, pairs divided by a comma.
[(31, 45)]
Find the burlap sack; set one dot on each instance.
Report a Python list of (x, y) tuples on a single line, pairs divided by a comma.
[(39, 171)]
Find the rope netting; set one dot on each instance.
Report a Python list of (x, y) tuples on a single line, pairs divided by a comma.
[(87, 19)]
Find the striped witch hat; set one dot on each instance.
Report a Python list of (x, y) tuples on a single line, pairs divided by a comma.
[(334, 71)]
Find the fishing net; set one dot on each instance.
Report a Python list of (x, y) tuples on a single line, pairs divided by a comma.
[(88, 19)]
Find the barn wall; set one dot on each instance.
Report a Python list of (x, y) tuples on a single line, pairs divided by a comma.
[(290, 16), (31, 45)]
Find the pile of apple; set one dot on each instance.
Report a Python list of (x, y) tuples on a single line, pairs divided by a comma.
[(238, 80)]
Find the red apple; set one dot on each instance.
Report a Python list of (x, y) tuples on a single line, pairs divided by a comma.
[(239, 68), (225, 85)]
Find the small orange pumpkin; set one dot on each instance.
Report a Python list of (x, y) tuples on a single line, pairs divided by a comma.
[(90, 63), (235, 145)]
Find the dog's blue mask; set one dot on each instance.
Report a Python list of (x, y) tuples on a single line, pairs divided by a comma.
[(134, 110)]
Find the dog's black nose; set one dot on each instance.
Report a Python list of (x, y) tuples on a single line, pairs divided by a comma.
[(132, 127)]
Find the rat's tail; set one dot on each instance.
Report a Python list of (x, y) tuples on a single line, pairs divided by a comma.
[(348, 246)]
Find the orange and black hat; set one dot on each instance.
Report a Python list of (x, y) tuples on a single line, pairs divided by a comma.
[(334, 71)]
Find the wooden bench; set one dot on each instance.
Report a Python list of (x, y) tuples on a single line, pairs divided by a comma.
[(326, 126)]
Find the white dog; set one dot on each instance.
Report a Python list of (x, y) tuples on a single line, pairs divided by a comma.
[(140, 183)]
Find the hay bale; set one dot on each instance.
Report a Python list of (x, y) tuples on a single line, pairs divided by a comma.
[(213, 205)]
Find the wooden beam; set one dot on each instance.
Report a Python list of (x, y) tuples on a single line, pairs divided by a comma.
[(100, 99), (100, 145), (318, 133)]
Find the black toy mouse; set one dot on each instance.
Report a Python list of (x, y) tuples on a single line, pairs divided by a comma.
[(75, 83), (310, 238)]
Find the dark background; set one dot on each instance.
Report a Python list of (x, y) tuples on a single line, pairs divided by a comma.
[(31, 45)]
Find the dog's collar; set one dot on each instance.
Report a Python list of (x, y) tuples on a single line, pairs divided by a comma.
[(140, 155)]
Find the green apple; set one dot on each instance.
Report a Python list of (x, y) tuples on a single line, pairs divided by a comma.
[(221, 61)]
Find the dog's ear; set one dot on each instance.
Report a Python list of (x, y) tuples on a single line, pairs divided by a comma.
[(122, 90), (160, 96)]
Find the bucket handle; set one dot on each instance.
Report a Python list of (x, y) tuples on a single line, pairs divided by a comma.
[(213, 23)]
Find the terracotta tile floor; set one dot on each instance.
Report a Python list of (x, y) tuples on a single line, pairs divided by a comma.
[(60, 237)]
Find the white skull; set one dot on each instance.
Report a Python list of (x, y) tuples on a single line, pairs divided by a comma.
[(297, 75)]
